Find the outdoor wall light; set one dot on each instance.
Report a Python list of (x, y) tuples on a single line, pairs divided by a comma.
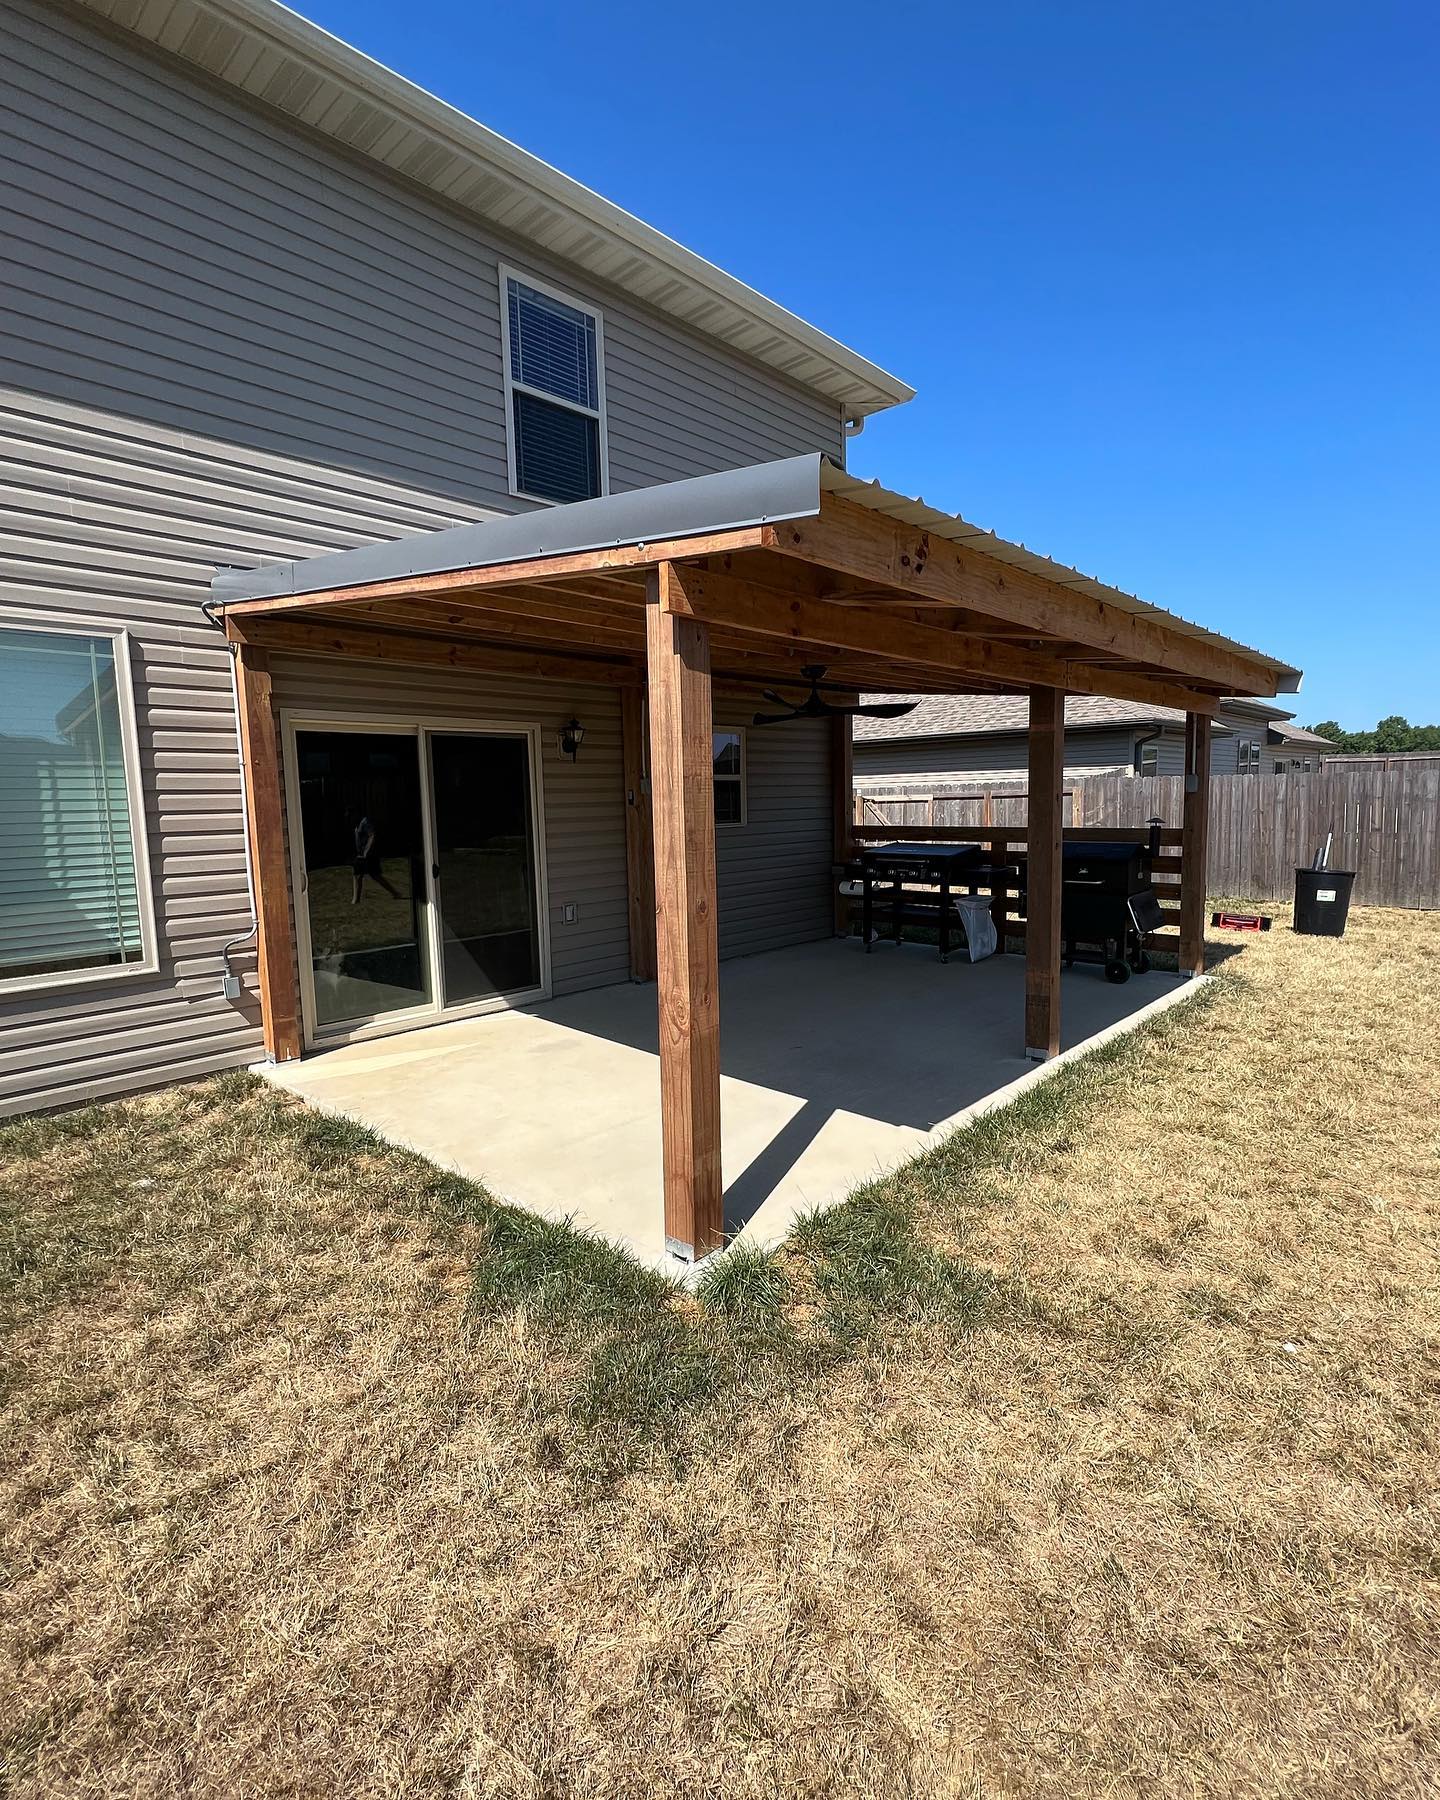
[(572, 736)]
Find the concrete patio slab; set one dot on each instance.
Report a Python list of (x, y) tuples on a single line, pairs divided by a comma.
[(836, 1067)]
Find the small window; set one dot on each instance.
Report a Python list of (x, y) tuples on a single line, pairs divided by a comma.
[(1247, 756), (1149, 759), (729, 755), (76, 898), (554, 352)]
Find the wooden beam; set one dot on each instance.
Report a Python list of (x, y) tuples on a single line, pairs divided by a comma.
[(687, 955), (724, 598), (842, 787), (642, 558), (639, 843), (1194, 844), (306, 638), (867, 546), (1043, 839), (265, 828), (624, 637)]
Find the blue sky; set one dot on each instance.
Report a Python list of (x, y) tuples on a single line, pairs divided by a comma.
[(1167, 282)]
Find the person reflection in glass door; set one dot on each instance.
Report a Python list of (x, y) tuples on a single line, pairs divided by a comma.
[(367, 861)]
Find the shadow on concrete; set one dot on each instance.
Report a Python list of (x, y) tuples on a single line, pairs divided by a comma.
[(895, 1036)]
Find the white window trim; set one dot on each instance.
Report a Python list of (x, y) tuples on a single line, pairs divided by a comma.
[(743, 778), (66, 625), (513, 387)]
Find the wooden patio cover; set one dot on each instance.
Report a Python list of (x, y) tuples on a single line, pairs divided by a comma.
[(732, 580)]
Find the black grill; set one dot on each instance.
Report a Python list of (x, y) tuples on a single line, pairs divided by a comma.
[(1107, 904)]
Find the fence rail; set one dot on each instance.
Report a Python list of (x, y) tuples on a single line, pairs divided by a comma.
[(1007, 844), (1385, 823)]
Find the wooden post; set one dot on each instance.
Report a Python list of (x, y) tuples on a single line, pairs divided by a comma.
[(265, 826), (1194, 843), (842, 783), (1044, 838), (639, 843), (687, 957)]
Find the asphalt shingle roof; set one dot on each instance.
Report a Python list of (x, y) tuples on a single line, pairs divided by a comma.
[(976, 715), (970, 715)]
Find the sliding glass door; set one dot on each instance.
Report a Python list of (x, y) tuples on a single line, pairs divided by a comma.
[(364, 873), (418, 872), (485, 878)]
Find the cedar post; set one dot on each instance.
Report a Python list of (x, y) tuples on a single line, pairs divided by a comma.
[(265, 827), (842, 783), (1194, 843), (639, 845), (1044, 839), (687, 958)]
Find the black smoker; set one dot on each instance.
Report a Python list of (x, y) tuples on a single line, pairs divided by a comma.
[(1107, 903)]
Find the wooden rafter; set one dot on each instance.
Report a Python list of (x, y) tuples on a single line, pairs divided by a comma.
[(867, 546)]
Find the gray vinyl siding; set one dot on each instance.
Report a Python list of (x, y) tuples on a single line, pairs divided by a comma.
[(774, 871), (222, 341), (179, 256), (977, 758)]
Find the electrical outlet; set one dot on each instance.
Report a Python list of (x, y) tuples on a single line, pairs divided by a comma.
[(230, 986), (569, 913)]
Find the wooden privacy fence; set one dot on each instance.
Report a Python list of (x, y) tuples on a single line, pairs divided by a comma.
[(1009, 845), (1385, 821)]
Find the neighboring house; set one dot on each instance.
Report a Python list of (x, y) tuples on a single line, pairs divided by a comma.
[(263, 299), (955, 738)]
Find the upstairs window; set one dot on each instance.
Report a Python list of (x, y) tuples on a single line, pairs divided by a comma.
[(1149, 759), (728, 749), (1247, 756), (74, 893), (554, 352)]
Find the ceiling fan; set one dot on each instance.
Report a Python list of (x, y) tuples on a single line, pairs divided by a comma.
[(814, 707)]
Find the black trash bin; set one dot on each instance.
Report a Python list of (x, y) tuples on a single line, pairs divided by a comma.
[(1322, 901)]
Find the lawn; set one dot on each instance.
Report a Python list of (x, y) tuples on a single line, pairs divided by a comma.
[(1093, 1454)]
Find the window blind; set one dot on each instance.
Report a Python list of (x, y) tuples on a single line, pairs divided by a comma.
[(552, 347), (557, 452), (555, 379), (68, 889)]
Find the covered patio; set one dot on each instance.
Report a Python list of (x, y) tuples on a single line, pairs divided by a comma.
[(834, 1068), (674, 595)]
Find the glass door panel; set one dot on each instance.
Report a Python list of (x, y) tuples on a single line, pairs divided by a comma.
[(364, 851), (485, 887)]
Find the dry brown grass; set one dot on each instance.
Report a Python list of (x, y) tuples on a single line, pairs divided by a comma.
[(1119, 1477)]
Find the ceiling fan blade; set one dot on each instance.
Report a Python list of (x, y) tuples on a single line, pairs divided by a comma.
[(774, 718), (770, 694), (891, 709)]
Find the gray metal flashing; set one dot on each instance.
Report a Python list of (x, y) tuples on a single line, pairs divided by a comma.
[(729, 501)]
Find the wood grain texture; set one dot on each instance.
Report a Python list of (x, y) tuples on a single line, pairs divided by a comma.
[(726, 599), (1194, 847), (853, 540), (1043, 873), (687, 952), (639, 840), (265, 829), (312, 637)]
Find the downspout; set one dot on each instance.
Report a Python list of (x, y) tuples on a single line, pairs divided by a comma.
[(230, 981), (1148, 737)]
